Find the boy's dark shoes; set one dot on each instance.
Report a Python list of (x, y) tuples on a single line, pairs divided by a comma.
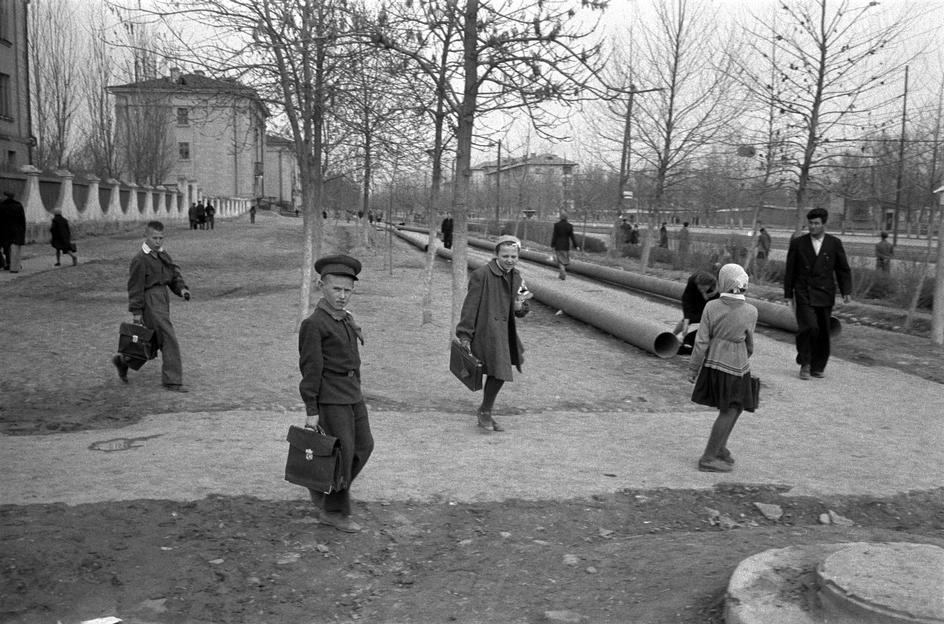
[(496, 426), (119, 363), (713, 464), (339, 521), (175, 388), (804, 372), (818, 374), (485, 420), (725, 456)]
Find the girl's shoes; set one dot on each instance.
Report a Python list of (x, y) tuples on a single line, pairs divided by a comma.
[(713, 464)]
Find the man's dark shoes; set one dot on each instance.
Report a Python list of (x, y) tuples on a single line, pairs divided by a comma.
[(713, 464), (339, 521), (804, 372), (119, 363), (818, 374), (496, 426), (725, 456), (175, 388)]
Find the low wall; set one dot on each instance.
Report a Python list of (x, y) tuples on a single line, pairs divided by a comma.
[(94, 206)]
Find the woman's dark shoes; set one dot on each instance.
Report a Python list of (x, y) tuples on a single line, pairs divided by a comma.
[(713, 464), (496, 426), (337, 520), (485, 420)]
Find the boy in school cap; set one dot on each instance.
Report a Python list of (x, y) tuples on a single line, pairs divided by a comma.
[(338, 265), (330, 365)]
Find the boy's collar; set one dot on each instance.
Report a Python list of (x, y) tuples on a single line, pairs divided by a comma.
[(337, 315)]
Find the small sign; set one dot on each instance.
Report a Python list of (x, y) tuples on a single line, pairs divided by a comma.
[(627, 194)]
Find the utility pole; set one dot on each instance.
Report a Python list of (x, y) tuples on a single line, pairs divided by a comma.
[(625, 157), (901, 161)]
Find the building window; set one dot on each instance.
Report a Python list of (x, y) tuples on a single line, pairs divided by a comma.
[(183, 117), (6, 96), (5, 30), (184, 149)]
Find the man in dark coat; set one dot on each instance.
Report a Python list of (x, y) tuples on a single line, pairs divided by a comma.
[(330, 365), (210, 215), (152, 276), (815, 263), (192, 216), (12, 231), (561, 240), (446, 229), (663, 236)]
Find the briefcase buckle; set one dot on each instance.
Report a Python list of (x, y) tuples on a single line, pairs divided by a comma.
[(134, 339), (309, 455)]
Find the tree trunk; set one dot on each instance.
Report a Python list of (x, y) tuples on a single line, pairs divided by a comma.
[(937, 316)]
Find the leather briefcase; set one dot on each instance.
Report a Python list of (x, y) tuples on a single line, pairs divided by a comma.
[(466, 367), (314, 460), (136, 343)]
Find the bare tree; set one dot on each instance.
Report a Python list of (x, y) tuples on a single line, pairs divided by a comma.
[(54, 63), (503, 55), (685, 60), (831, 59), (99, 149)]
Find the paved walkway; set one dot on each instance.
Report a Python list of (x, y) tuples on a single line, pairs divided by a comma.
[(862, 430)]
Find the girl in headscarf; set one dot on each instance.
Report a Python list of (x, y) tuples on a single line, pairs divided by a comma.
[(719, 366)]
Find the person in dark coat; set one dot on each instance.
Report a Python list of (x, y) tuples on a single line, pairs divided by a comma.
[(884, 252), (815, 263), (12, 231), (763, 244), (61, 238), (192, 216), (210, 215), (634, 235), (663, 236), (496, 297), (561, 240), (201, 215), (699, 290), (446, 229), (151, 277), (330, 365)]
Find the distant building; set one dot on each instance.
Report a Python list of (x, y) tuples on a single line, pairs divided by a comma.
[(15, 123), (281, 170), (213, 129), (537, 184)]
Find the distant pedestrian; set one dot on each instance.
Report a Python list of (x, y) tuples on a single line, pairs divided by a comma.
[(12, 231), (210, 215), (61, 238), (634, 235), (330, 365), (763, 244), (684, 243), (626, 231), (496, 297), (720, 367), (884, 251), (815, 263), (663, 236), (201, 215), (446, 228), (192, 216), (252, 213), (151, 277), (561, 239)]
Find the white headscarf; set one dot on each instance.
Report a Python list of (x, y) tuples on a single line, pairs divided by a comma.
[(732, 281)]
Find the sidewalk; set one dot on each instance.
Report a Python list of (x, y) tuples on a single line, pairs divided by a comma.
[(589, 415)]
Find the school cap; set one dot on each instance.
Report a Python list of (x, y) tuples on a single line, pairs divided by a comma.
[(505, 239), (338, 265)]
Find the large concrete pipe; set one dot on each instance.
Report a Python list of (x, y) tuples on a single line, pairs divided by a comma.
[(768, 313), (648, 335)]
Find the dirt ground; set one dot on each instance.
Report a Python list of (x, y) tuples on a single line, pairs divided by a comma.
[(642, 556)]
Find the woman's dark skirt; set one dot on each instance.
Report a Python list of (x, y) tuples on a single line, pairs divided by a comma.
[(716, 388)]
